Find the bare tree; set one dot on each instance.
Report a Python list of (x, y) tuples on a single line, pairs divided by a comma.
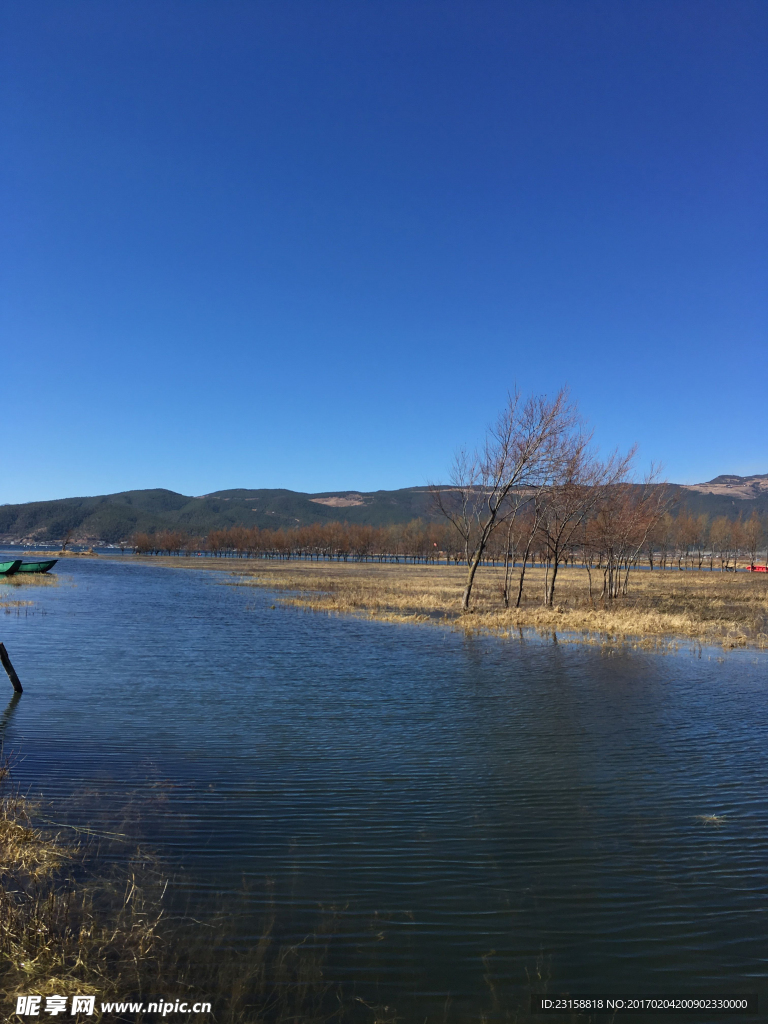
[(753, 532), (488, 487), (685, 536), (664, 534), (626, 516), (723, 536), (529, 532), (738, 540), (574, 494), (700, 537)]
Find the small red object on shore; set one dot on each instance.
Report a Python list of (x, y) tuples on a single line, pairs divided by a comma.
[(757, 568)]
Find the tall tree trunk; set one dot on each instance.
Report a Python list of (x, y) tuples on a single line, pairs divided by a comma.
[(550, 586), (506, 565), (473, 567), (521, 582), (625, 584)]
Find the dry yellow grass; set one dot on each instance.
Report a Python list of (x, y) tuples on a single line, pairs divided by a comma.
[(708, 607), (26, 849), (70, 926), (28, 579), (51, 941), (18, 584)]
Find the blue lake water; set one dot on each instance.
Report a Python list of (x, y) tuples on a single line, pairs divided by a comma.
[(480, 811)]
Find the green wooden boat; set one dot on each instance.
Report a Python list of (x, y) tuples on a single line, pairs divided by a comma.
[(37, 566), (9, 568)]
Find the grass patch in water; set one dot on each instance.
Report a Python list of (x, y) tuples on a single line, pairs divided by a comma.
[(729, 610)]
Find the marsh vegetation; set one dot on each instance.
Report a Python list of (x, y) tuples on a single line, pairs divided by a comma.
[(70, 925), (731, 610)]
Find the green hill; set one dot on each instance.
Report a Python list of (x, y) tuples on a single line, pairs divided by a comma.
[(111, 518)]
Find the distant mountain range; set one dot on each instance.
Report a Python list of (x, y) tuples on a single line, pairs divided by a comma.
[(745, 487), (111, 518)]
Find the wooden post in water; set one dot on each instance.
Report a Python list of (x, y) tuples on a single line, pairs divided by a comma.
[(10, 669)]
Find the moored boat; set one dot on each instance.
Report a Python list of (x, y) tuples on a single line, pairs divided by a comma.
[(757, 568), (42, 566), (9, 568)]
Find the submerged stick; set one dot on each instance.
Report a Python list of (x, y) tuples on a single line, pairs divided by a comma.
[(10, 669)]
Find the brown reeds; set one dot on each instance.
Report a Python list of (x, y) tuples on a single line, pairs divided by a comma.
[(53, 938), (70, 926), (730, 610), (22, 580)]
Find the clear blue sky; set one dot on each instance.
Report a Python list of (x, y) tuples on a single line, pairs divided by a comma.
[(312, 244)]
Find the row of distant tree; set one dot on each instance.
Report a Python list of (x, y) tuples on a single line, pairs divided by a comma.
[(535, 491), (692, 541), (681, 541)]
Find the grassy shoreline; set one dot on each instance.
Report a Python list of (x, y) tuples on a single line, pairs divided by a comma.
[(71, 925), (730, 610), (65, 929)]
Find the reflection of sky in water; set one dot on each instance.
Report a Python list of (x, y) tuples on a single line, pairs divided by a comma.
[(535, 799)]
